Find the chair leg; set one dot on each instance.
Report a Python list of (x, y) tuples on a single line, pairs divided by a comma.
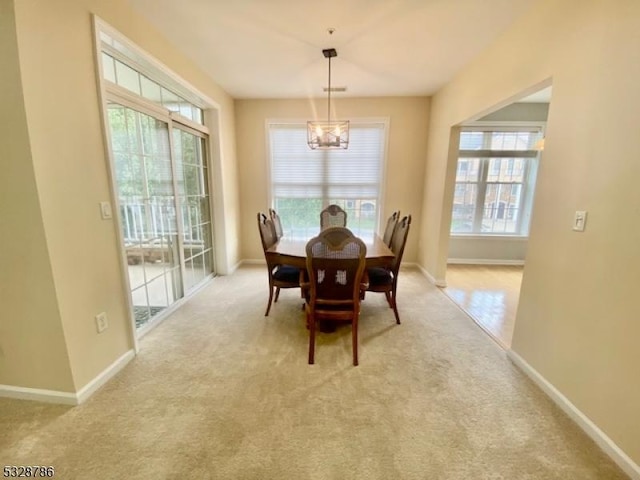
[(311, 323), (270, 298), (354, 341), (277, 294), (395, 307), (388, 296)]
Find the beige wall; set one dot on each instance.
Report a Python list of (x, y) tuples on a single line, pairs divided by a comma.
[(71, 171), (577, 321), (32, 347), (408, 122)]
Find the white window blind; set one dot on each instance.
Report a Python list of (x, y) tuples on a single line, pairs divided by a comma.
[(303, 181)]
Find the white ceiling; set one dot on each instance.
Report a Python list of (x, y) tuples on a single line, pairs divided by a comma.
[(273, 48)]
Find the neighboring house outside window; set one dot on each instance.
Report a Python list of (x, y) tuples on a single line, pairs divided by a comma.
[(495, 180)]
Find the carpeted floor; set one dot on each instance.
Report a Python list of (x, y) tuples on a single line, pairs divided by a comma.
[(221, 392)]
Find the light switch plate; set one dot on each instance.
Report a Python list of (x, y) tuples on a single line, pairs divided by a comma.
[(579, 221), (105, 210)]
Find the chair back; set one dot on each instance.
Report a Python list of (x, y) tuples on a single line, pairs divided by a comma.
[(333, 216), (267, 231), (392, 221), (398, 242), (335, 264), (277, 224)]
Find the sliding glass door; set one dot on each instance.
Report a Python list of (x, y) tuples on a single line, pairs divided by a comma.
[(163, 196), (193, 196)]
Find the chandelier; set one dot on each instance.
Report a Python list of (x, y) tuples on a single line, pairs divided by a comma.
[(329, 134)]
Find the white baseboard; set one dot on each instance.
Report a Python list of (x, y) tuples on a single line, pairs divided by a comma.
[(38, 395), (89, 389), (437, 282), (67, 398), (483, 261), (253, 261), (602, 440), (234, 267)]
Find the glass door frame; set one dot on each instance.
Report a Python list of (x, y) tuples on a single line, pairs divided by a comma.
[(115, 94), (197, 132)]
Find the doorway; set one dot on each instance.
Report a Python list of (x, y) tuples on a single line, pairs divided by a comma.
[(496, 172)]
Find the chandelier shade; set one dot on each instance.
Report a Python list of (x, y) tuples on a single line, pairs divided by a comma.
[(329, 134)]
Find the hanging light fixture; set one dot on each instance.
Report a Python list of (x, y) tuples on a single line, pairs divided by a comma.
[(329, 134)]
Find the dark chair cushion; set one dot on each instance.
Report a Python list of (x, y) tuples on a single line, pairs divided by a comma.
[(379, 276), (287, 273)]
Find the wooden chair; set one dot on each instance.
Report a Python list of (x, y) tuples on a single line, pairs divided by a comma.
[(335, 270), (392, 221), (385, 280), (277, 224), (333, 216), (280, 276)]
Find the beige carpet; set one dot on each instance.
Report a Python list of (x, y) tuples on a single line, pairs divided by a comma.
[(219, 391)]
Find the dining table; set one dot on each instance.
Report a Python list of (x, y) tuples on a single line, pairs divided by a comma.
[(293, 252)]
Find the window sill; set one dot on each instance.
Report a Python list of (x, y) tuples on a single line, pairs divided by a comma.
[(476, 236)]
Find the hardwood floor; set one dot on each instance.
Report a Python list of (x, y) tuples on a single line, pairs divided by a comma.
[(489, 294)]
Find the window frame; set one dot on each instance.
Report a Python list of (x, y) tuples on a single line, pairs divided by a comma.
[(383, 122), (528, 181)]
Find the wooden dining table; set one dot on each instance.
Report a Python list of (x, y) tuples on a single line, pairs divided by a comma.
[(293, 252)]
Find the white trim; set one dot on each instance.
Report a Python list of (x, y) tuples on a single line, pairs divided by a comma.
[(90, 388), (474, 236), (185, 88), (68, 398), (503, 124), (38, 395), (122, 96), (189, 125), (102, 95), (409, 265), (235, 266), (483, 261), (437, 282), (591, 429), (252, 261)]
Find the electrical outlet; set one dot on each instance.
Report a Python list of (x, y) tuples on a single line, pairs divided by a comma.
[(101, 322)]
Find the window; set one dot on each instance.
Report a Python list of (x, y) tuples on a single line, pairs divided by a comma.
[(122, 66), (304, 181), (495, 180)]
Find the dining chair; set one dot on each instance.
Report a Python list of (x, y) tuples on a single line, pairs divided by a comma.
[(277, 224), (335, 271), (280, 276), (392, 221), (385, 280), (333, 216)]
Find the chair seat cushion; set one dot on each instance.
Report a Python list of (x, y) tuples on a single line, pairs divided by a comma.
[(287, 273), (379, 276)]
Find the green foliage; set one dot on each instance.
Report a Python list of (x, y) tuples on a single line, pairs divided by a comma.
[(302, 212)]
